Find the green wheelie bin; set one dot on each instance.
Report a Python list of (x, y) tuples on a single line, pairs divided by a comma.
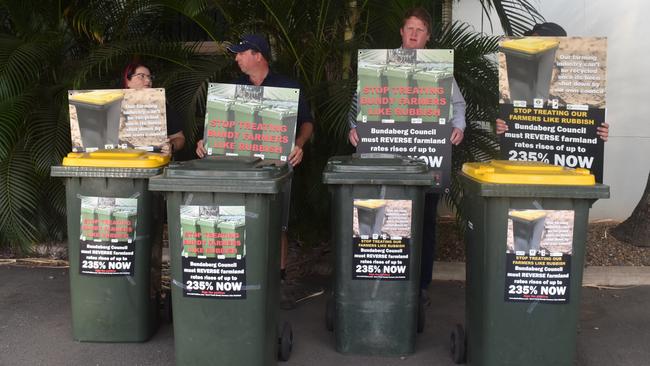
[(246, 112), (89, 223), (219, 128), (232, 229), (399, 77), (370, 76), (277, 116), (377, 205), (209, 229), (226, 307), (115, 272), (190, 229), (525, 230), (124, 222), (436, 79)]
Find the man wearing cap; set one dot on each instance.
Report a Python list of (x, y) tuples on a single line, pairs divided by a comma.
[(252, 55)]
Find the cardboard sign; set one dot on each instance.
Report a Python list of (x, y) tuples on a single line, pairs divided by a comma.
[(552, 97), (404, 105), (213, 259), (117, 118), (249, 120)]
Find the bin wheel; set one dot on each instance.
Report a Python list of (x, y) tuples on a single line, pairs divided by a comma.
[(458, 344), (285, 342), (329, 314), (422, 316), (167, 313)]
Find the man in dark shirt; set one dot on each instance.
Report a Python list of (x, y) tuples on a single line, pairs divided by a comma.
[(252, 55)]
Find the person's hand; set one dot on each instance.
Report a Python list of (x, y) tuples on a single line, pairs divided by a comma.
[(501, 126), (295, 157), (177, 140), (603, 131), (456, 136), (353, 137), (201, 152), (166, 148)]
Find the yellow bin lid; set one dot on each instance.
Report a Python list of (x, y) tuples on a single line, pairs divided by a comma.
[(371, 203), (98, 97), (528, 172), (122, 158), (528, 215), (530, 45)]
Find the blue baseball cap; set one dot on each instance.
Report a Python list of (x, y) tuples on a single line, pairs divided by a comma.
[(255, 42)]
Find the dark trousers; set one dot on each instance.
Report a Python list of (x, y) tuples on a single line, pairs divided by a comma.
[(428, 238)]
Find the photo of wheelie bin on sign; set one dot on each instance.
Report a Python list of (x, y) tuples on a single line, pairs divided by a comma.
[(530, 67), (114, 243), (525, 231), (224, 217), (98, 113), (377, 202)]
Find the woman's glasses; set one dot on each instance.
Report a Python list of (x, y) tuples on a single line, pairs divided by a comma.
[(144, 76)]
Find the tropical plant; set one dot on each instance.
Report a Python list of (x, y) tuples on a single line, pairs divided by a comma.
[(37, 47), (49, 47), (515, 16)]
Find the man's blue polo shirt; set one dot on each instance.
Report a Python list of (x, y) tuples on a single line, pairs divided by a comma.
[(277, 80)]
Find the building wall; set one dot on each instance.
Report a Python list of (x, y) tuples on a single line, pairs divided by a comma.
[(625, 24)]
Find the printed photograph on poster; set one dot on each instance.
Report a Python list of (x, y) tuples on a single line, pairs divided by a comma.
[(548, 231), (117, 118), (381, 239), (539, 247), (404, 105), (249, 120), (556, 71), (107, 235), (552, 98), (404, 86), (213, 254)]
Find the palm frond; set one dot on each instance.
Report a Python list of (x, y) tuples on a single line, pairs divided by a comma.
[(18, 198), (22, 63), (515, 16), (12, 121), (49, 129)]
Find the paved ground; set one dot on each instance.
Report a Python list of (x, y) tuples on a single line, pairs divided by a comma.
[(35, 328)]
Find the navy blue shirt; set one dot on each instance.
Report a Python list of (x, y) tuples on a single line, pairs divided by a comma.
[(277, 80)]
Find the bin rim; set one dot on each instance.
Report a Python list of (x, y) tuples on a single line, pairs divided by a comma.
[(62, 171), (375, 162), (473, 187), (228, 174), (378, 169)]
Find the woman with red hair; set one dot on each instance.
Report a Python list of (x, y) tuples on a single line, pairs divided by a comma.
[(138, 76)]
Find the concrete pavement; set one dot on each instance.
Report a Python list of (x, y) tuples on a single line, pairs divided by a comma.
[(35, 328), (592, 276)]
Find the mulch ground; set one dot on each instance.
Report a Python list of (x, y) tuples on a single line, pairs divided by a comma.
[(315, 258), (602, 248)]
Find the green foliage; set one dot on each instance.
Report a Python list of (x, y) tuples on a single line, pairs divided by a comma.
[(48, 47), (515, 16)]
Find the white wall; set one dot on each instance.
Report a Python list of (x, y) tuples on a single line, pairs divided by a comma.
[(627, 28)]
